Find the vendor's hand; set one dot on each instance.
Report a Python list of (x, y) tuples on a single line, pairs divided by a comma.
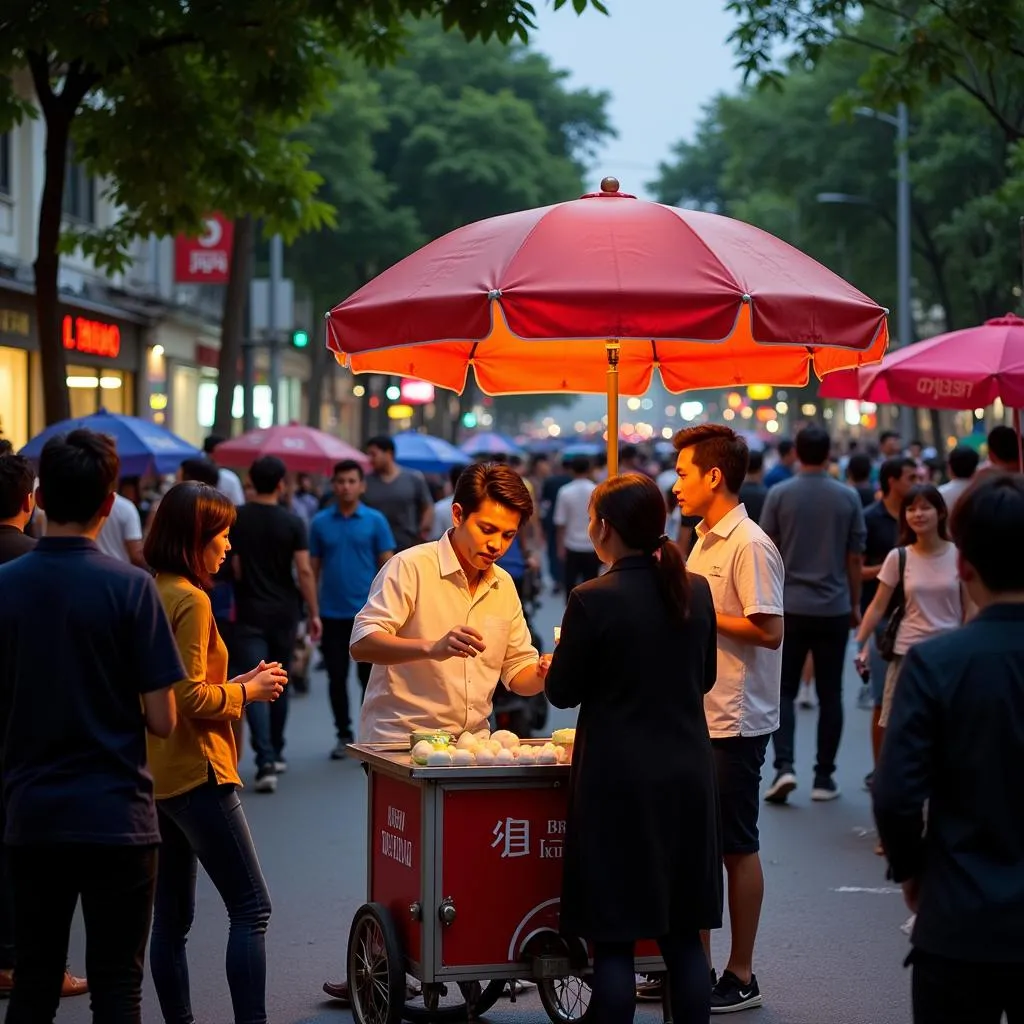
[(267, 682), (912, 894), (314, 629), (543, 664), (460, 642)]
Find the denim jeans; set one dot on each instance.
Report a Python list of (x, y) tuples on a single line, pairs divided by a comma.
[(334, 647), (115, 884), (207, 826), (825, 638), (266, 719)]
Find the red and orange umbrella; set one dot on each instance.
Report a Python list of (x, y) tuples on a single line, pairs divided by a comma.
[(592, 295)]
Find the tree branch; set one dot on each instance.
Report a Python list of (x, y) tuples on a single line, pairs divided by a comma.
[(968, 28), (39, 68)]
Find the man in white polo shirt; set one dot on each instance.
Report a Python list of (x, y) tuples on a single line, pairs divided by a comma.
[(747, 577)]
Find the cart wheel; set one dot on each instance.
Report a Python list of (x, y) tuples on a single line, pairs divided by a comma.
[(376, 967), (476, 1001), (565, 1000)]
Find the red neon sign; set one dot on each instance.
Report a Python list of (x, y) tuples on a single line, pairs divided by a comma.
[(92, 337)]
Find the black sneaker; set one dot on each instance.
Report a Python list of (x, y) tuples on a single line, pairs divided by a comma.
[(825, 788), (730, 995), (266, 779), (778, 792)]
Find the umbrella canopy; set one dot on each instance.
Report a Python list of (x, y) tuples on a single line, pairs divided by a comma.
[(965, 369), (491, 443), (531, 300), (143, 447), (301, 449), (426, 453)]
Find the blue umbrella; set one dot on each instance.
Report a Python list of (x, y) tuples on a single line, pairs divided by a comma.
[(587, 448), (491, 444), (142, 446), (427, 454)]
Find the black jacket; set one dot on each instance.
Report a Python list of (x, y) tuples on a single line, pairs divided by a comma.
[(642, 836), (956, 740)]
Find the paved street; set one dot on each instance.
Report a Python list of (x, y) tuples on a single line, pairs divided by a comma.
[(830, 949)]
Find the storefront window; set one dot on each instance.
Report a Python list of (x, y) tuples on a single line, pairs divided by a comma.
[(91, 388), (14, 396), (5, 164), (79, 191)]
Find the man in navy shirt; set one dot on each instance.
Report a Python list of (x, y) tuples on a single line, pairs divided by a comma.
[(87, 660), (348, 543), (786, 466)]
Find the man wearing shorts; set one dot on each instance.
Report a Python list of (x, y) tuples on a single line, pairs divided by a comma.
[(746, 575)]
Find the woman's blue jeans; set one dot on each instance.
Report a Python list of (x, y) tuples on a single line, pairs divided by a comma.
[(207, 826)]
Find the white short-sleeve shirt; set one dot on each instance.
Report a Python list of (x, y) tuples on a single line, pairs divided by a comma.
[(422, 593), (745, 572), (931, 584), (123, 524), (572, 512)]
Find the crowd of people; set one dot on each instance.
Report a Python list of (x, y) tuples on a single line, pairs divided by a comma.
[(121, 744)]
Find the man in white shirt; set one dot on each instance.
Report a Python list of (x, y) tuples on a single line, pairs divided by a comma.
[(747, 578), (121, 535), (227, 480), (443, 624), (963, 464), (572, 520)]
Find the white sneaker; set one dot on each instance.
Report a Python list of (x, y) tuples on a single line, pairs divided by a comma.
[(266, 780), (779, 790)]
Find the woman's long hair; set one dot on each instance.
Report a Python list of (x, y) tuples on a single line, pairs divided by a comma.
[(188, 517), (634, 507), (922, 492)]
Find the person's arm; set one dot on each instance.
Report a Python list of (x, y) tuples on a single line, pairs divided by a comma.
[(196, 696), (133, 548), (572, 664), (307, 587), (132, 523), (902, 782), (875, 613), (384, 539), (759, 579), (522, 670), (160, 712)]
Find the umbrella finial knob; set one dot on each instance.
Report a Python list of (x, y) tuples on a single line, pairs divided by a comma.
[(609, 184)]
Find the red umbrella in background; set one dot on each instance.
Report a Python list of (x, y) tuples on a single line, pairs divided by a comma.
[(592, 295), (966, 369), (301, 449)]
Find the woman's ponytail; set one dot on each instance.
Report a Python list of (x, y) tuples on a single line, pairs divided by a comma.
[(673, 580)]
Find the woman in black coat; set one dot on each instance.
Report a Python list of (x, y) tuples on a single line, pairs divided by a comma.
[(642, 860)]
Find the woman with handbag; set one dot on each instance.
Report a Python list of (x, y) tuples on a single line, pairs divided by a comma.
[(918, 587)]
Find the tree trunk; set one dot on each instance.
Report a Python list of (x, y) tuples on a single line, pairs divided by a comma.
[(56, 405), (319, 373), (236, 297)]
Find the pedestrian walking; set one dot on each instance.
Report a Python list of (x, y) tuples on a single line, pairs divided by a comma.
[(753, 491), (227, 479), (81, 820), (548, 496), (271, 552), (571, 517), (817, 524), (120, 536), (745, 573), (660, 877), (922, 576), (195, 770), (954, 753), (785, 465), (348, 543), (963, 464), (401, 494)]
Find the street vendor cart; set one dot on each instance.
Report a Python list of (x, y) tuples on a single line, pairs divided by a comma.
[(464, 884)]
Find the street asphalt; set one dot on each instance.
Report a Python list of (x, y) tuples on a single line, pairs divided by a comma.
[(830, 949)]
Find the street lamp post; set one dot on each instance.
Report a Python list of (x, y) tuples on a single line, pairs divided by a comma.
[(904, 313)]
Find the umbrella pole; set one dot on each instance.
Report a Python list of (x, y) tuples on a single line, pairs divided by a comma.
[(612, 349), (1020, 443)]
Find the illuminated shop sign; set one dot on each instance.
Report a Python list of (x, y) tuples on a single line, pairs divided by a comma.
[(91, 337)]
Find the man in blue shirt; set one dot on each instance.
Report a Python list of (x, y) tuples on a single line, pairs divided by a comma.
[(87, 660), (348, 543), (786, 466)]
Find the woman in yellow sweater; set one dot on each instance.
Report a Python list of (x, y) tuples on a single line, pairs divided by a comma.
[(195, 770)]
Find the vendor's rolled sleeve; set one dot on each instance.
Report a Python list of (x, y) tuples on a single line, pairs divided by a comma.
[(390, 602), (759, 578), (520, 652)]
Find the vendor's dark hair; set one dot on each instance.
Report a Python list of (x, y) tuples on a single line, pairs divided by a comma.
[(715, 446), (488, 481), (632, 505), (923, 492), (188, 517)]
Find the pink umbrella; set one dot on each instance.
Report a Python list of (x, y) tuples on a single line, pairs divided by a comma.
[(965, 369), (301, 449)]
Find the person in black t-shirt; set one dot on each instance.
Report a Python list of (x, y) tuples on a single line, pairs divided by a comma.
[(753, 491), (268, 545), (858, 476), (81, 819)]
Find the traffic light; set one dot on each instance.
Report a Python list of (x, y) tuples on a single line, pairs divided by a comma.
[(300, 339)]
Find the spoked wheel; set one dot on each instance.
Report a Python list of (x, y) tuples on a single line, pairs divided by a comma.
[(376, 967), (565, 1000), (446, 1007)]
